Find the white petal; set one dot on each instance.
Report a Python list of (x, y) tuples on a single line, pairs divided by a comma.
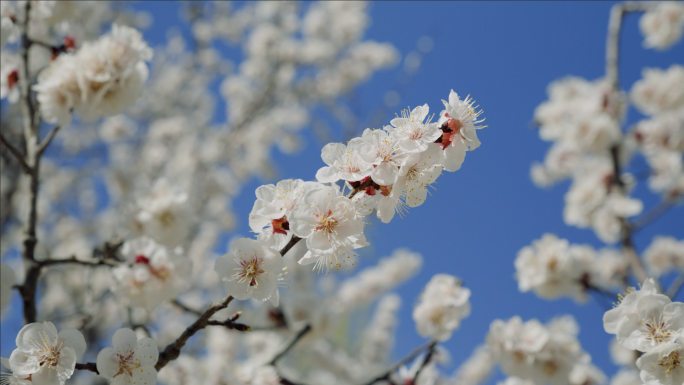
[(327, 175), (73, 339), (148, 352), (385, 174), (124, 340), (107, 363), (454, 156), (144, 375), (266, 192)]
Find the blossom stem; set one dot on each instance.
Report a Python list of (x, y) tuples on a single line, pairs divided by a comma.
[(16, 153), (290, 344), (428, 357), (404, 361), (88, 366), (676, 286), (652, 215)]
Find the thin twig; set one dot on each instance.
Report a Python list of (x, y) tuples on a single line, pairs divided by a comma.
[(46, 142), (173, 350), (290, 344), (72, 259), (400, 363), (17, 154), (182, 306), (426, 361), (676, 286), (652, 215)]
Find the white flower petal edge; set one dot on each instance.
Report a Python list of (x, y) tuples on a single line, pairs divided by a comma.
[(129, 360)]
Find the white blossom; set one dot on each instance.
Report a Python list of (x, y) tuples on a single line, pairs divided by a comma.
[(663, 365), (413, 133), (344, 162), (152, 273), (626, 377), (627, 304), (164, 214), (129, 359), (662, 25), (664, 254), (655, 321), (417, 173), (47, 356), (659, 91), (443, 304), (382, 150), (459, 124), (250, 269), (328, 222)]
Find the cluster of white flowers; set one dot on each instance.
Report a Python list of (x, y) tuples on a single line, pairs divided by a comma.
[(651, 323), (443, 304), (101, 79), (151, 273), (387, 170), (542, 354), (662, 25), (661, 137), (554, 268)]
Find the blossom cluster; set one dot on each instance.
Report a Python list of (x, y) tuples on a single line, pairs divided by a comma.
[(542, 353), (387, 170), (651, 323), (553, 268), (45, 356)]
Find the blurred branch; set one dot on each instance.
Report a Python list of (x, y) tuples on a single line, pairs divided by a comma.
[(676, 286), (181, 306), (290, 344), (426, 361), (16, 153), (617, 13), (88, 366), (650, 216), (402, 362), (48, 139), (626, 231)]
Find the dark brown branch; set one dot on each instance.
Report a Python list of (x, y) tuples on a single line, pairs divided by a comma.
[(290, 344), (173, 350), (88, 366), (182, 306), (290, 245), (73, 260), (16, 153), (404, 361)]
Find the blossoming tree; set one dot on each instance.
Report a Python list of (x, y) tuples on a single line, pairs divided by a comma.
[(117, 185)]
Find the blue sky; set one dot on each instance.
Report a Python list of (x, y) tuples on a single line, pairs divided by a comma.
[(504, 54)]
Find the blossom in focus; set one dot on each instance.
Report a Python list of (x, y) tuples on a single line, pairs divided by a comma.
[(12, 378), (412, 132), (344, 162), (382, 150), (458, 123), (47, 356), (250, 269), (662, 25), (417, 173), (332, 230), (129, 359), (443, 304), (7, 281), (627, 304), (663, 365), (152, 273), (274, 203)]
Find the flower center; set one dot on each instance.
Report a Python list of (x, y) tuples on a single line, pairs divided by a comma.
[(656, 331), (127, 363), (250, 270), (166, 218), (47, 352), (327, 222), (671, 362)]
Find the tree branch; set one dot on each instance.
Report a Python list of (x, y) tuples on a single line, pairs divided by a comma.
[(676, 286), (426, 361), (173, 350), (16, 153), (88, 366), (290, 344), (404, 361), (48, 139), (652, 215)]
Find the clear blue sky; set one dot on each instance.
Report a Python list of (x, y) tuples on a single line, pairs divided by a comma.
[(504, 54)]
